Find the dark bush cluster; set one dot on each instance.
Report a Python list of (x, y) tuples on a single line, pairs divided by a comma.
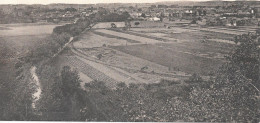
[(72, 29), (112, 17)]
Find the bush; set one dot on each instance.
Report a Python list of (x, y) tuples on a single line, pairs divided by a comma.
[(195, 78), (137, 23)]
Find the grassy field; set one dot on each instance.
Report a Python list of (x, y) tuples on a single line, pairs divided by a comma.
[(189, 56), (142, 24), (129, 36), (176, 49), (173, 53), (21, 38), (25, 30), (178, 58)]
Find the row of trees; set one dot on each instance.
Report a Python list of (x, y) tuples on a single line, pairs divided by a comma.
[(53, 43), (29, 14), (73, 29), (104, 16)]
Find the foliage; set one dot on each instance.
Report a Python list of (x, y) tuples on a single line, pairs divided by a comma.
[(137, 23), (70, 9), (52, 44), (61, 95), (72, 29), (111, 17), (70, 81), (143, 15), (246, 56), (230, 98), (195, 78), (16, 96)]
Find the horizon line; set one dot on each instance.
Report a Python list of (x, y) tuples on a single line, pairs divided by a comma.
[(130, 2)]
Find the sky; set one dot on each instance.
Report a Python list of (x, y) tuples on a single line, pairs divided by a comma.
[(80, 1)]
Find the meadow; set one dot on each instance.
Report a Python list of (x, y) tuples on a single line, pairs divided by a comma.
[(179, 58), (181, 49), (22, 38)]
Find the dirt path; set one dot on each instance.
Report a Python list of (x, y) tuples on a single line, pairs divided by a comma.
[(60, 50), (36, 81), (216, 30)]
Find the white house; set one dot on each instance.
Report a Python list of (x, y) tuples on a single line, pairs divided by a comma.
[(154, 19)]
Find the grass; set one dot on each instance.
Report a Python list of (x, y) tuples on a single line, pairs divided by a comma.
[(139, 34), (22, 44), (199, 35), (190, 56), (143, 24), (26, 30), (22, 38), (113, 36), (176, 56)]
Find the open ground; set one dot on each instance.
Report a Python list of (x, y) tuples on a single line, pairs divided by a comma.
[(148, 55)]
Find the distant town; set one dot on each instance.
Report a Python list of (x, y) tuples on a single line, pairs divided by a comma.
[(211, 13)]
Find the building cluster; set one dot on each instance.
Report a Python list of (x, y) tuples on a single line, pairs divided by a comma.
[(229, 15), (212, 15)]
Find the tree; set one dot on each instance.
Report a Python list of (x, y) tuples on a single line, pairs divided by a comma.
[(230, 98), (127, 24), (62, 94), (143, 15), (125, 15), (113, 25), (70, 9), (246, 56), (137, 23), (70, 81), (195, 78), (19, 106)]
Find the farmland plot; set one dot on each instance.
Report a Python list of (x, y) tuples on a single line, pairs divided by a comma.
[(218, 30), (26, 30), (90, 40), (143, 40), (155, 30), (22, 38), (104, 25), (148, 24), (189, 58), (125, 66), (199, 35), (155, 49), (182, 34)]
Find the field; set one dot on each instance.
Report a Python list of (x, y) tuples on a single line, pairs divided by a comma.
[(21, 38), (142, 24), (148, 55)]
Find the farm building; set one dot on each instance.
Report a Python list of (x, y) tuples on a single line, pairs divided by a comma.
[(154, 19)]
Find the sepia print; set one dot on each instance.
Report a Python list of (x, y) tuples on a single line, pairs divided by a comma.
[(130, 61)]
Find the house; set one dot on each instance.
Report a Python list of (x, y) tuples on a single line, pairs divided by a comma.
[(154, 19)]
